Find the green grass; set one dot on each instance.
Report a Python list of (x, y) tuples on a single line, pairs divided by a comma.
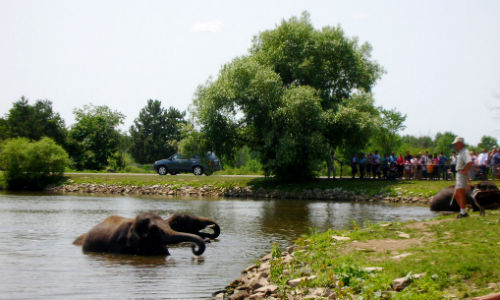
[(132, 168), (459, 258), (150, 180), (3, 185), (368, 187), (238, 171)]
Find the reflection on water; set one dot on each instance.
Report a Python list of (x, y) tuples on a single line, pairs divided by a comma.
[(38, 260)]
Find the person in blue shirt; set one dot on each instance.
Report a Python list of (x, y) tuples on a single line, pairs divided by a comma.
[(442, 166), (354, 165), (392, 158), (385, 161), (376, 165), (362, 165)]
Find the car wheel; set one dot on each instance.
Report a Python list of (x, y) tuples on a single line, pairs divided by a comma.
[(162, 170), (197, 170)]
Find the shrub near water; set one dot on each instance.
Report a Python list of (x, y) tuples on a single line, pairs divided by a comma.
[(32, 165)]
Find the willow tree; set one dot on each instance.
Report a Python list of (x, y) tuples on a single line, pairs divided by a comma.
[(299, 93)]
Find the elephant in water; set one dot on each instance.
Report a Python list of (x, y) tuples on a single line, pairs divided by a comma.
[(441, 201), (147, 234), (194, 225)]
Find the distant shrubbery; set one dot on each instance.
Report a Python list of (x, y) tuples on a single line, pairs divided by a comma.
[(245, 163), (32, 165)]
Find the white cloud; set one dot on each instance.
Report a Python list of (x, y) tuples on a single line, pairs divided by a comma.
[(213, 26), (360, 16)]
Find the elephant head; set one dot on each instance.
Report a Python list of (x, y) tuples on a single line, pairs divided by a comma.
[(485, 186), (442, 200), (194, 225), (149, 234)]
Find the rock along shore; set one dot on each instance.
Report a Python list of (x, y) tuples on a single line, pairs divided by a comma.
[(335, 194), (255, 282)]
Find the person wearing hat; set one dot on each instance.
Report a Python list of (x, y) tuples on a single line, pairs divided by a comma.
[(495, 163), (464, 163)]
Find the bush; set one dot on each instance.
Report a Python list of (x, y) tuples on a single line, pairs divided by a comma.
[(116, 161), (32, 165)]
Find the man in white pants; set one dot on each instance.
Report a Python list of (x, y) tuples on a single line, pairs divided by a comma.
[(464, 163)]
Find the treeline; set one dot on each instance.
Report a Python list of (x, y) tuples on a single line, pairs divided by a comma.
[(95, 142), (298, 95)]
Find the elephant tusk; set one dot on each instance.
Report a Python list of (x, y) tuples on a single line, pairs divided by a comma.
[(453, 197)]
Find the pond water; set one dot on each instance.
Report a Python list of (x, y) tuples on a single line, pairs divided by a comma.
[(38, 260)]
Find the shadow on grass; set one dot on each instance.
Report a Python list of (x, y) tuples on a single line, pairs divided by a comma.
[(368, 186)]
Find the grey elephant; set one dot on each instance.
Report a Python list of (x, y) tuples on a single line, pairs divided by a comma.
[(146, 234), (441, 201)]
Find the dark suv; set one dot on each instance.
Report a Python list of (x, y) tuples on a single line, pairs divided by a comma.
[(179, 164)]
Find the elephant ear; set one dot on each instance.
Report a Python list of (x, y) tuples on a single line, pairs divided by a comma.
[(141, 226)]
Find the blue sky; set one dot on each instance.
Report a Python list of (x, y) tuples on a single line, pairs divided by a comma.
[(442, 58)]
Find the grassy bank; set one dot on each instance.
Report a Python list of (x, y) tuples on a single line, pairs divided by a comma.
[(3, 185), (443, 258), (369, 187)]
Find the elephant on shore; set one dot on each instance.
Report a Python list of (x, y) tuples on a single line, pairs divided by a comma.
[(194, 225), (147, 234), (441, 201)]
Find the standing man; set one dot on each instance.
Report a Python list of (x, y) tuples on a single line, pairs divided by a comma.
[(442, 166), (453, 164), (354, 165), (331, 166), (495, 164), (376, 165), (464, 163), (362, 165), (482, 162)]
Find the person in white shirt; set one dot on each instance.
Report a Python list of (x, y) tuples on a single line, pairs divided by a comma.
[(482, 162), (482, 159), (464, 164), (453, 164)]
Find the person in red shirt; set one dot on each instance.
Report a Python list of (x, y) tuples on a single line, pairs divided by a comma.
[(401, 164)]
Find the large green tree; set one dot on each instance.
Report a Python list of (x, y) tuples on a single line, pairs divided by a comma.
[(156, 132), (487, 142), (290, 98), (94, 138), (386, 136), (33, 122), (4, 134), (443, 141)]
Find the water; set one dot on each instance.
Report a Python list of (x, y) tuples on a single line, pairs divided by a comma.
[(38, 260)]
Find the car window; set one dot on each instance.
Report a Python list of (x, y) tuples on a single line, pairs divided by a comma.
[(177, 156)]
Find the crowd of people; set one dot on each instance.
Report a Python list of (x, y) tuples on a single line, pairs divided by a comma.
[(423, 166)]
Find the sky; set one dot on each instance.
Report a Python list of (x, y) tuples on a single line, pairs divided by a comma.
[(442, 58)]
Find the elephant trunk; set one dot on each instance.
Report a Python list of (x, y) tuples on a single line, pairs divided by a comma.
[(181, 237), (171, 236), (215, 227)]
